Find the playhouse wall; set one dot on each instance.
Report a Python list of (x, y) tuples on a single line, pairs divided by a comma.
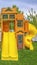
[(5, 26), (26, 26)]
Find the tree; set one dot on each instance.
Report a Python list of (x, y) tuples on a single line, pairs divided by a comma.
[(17, 9), (32, 17)]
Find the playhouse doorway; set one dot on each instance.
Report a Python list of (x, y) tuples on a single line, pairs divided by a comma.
[(20, 41), (11, 26)]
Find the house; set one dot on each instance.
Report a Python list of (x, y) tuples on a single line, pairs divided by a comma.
[(14, 21)]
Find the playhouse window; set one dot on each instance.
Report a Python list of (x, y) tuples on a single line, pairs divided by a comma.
[(5, 16), (12, 16), (19, 23), (20, 38)]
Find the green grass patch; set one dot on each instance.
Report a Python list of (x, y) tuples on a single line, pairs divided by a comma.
[(26, 57)]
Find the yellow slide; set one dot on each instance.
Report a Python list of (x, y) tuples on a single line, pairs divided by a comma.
[(28, 42), (29, 36), (32, 30), (5, 46), (13, 53), (9, 46)]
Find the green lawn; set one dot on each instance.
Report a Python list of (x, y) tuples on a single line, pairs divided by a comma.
[(26, 57)]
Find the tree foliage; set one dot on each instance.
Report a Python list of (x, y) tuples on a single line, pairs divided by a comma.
[(17, 9), (32, 17)]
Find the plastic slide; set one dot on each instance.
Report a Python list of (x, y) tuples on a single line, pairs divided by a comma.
[(9, 46), (5, 46), (32, 30), (29, 36), (28, 42), (13, 53)]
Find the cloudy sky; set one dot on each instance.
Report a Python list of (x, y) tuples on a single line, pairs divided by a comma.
[(23, 5)]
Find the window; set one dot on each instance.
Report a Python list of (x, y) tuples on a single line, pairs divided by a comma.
[(11, 26), (5, 16), (12, 16), (20, 38), (19, 23)]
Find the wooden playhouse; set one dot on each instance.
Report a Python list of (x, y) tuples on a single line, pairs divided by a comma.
[(14, 21)]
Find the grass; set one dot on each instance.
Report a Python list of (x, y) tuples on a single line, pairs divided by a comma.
[(26, 57)]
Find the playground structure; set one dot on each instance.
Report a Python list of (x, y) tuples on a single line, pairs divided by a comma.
[(12, 21), (17, 33), (28, 38)]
